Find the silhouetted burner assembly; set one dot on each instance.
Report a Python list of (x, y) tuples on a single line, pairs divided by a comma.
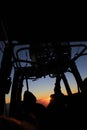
[(34, 60)]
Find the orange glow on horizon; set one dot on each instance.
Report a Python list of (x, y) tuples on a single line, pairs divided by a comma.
[(44, 101), (7, 99), (41, 99)]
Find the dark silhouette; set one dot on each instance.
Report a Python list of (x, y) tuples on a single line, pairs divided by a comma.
[(57, 107), (15, 124), (52, 58), (31, 111), (85, 86)]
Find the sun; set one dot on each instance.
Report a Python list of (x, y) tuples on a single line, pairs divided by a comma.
[(45, 101), (48, 99)]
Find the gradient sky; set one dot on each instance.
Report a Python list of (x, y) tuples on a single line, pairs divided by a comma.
[(43, 87)]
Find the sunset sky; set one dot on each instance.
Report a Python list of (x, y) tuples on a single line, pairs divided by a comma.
[(43, 87)]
